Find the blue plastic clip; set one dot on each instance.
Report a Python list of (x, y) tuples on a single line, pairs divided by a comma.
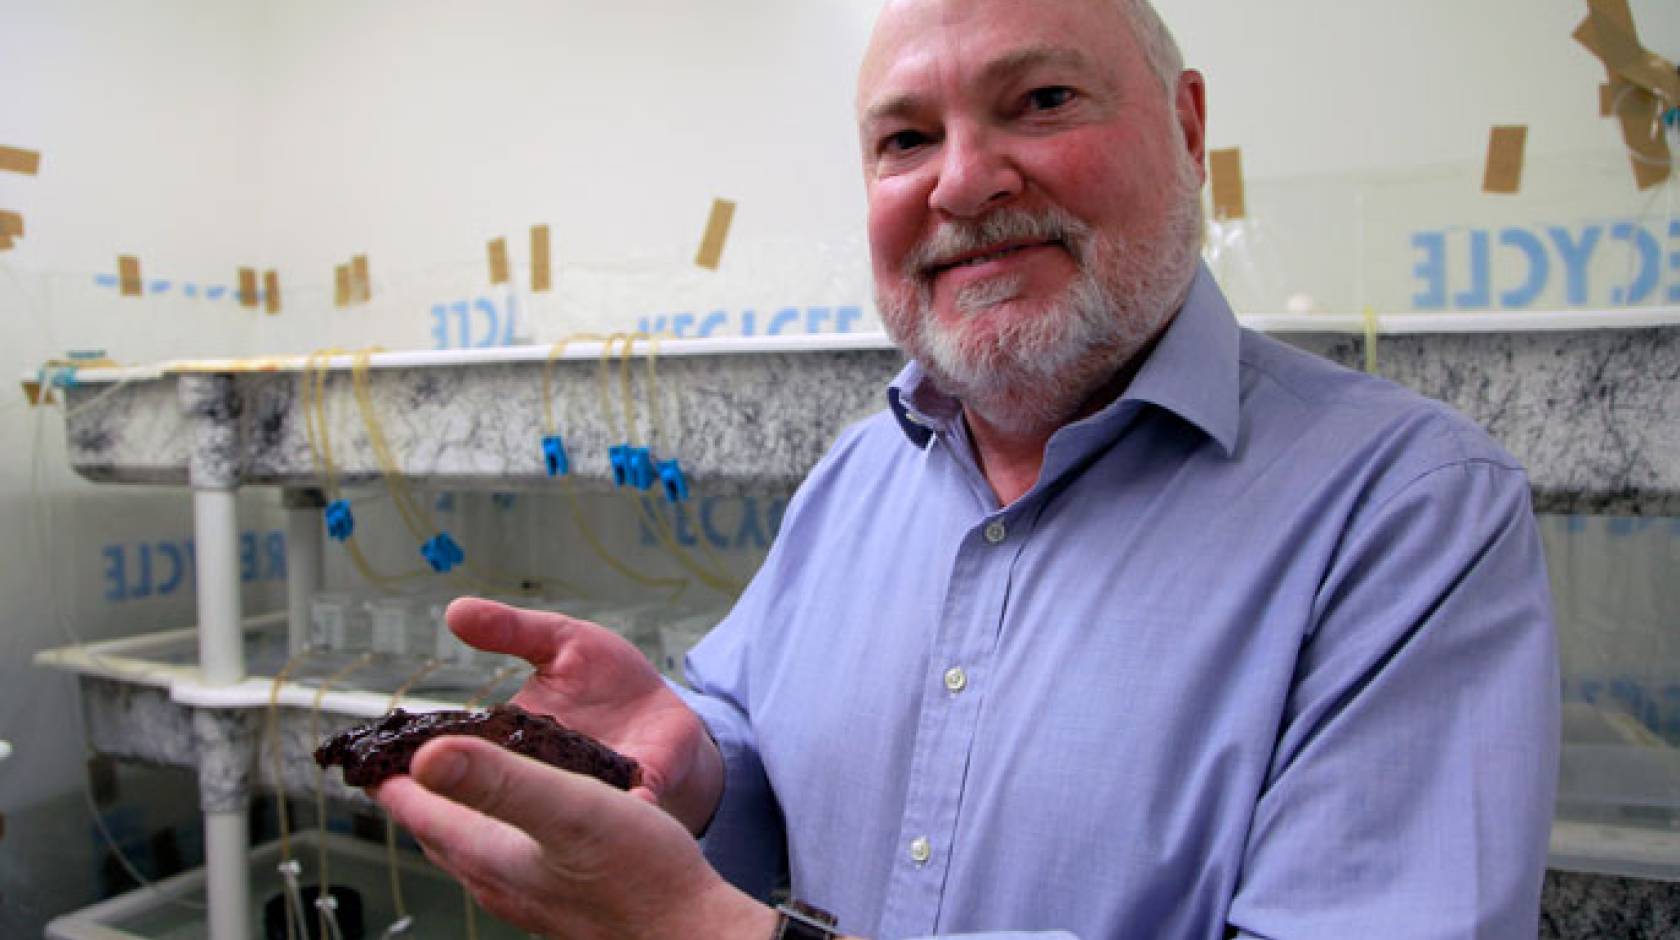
[(1672, 117), (619, 456), (554, 456), (676, 485), (339, 521), (442, 552), (61, 377), (641, 472)]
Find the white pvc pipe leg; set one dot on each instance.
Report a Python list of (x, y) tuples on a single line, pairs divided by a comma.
[(228, 884), (305, 547), (221, 642)]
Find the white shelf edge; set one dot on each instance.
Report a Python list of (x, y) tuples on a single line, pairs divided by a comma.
[(434, 358), (1388, 324), (1620, 851), (254, 693), (1516, 321), (116, 660)]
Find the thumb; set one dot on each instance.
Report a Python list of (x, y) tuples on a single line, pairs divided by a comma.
[(554, 806), (533, 636)]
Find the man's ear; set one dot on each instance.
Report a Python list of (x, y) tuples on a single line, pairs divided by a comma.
[(1190, 105)]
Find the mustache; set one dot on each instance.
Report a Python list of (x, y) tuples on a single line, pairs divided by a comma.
[(956, 238)]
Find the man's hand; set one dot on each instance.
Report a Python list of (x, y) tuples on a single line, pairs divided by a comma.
[(595, 681), (562, 854)]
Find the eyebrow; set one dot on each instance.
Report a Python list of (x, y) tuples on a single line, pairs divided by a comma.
[(1008, 65)]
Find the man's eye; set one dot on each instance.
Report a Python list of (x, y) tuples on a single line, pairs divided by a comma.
[(902, 141), (1049, 99)]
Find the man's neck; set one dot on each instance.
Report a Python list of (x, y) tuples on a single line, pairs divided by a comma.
[(1011, 459)]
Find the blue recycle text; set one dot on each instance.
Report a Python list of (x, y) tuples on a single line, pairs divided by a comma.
[(1513, 268)]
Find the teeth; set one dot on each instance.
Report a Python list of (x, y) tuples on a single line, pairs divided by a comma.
[(982, 259)]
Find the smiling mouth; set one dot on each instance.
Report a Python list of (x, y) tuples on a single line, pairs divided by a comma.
[(982, 257)]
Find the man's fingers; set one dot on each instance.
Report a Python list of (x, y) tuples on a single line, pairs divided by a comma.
[(534, 636), (553, 806), (455, 837)]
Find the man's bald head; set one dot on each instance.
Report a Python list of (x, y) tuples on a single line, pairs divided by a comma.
[(1154, 40), (1149, 33)]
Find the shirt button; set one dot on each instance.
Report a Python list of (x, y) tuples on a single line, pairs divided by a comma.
[(955, 679), (920, 850), (995, 532)]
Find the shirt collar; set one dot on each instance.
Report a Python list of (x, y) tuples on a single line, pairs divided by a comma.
[(1192, 373)]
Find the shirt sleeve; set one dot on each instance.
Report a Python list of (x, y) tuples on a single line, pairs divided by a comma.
[(746, 839), (1411, 790)]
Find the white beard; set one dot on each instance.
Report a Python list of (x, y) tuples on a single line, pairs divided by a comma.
[(1030, 371)]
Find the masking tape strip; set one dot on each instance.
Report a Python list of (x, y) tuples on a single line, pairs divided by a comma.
[(542, 275), (18, 160), (128, 271), (361, 283), (341, 285), (498, 261), (37, 393), (717, 232), (11, 223), (1505, 159), (248, 288), (1371, 330), (1229, 201), (271, 290), (1608, 33)]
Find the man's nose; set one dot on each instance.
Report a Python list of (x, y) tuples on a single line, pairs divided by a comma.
[(975, 176)]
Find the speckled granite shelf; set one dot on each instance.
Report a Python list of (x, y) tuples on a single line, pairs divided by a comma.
[(143, 699), (1602, 907), (1592, 414), (231, 748), (738, 422), (1584, 410)]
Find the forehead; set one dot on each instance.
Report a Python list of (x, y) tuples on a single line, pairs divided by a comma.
[(955, 41)]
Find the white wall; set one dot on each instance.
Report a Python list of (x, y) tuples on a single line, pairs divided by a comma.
[(135, 109), (417, 132), (1325, 89)]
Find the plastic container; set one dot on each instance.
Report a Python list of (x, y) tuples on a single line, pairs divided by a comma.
[(678, 636), (338, 622), (401, 627), (446, 647)]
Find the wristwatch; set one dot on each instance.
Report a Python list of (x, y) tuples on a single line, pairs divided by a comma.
[(797, 920)]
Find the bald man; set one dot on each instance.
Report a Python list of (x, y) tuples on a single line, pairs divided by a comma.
[(1118, 621)]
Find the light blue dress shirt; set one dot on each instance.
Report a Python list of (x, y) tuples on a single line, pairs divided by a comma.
[(1267, 651)]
